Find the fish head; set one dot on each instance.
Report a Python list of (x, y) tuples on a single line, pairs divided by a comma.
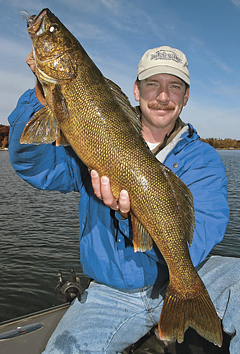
[(55, 48)]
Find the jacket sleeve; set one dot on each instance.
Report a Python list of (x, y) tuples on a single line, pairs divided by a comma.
[(204, 174), (44, 166)]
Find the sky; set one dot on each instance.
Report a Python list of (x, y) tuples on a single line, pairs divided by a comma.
[(116, 33)]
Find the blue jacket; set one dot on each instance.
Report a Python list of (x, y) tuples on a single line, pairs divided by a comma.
[(106, 251)]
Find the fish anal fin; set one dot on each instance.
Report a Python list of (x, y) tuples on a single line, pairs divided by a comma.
[(41, 129), (196, 311), (142, 240)]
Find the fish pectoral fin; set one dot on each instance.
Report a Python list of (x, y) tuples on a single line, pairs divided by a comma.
[(181, 311), (62, 140), (41, 129), (142, 240), (60, 102)]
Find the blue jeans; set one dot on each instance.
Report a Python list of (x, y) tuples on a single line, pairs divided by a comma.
[(108, 320)]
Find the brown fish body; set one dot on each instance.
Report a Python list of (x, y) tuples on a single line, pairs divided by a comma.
[(94, 116)]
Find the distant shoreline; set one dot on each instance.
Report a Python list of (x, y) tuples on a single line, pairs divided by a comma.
[(227, 149)]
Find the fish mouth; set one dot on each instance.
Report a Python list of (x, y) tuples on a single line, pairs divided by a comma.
[(37, 25)]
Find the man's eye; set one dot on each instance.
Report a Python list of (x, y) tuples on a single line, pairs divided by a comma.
[(151, 84), (175, 87)]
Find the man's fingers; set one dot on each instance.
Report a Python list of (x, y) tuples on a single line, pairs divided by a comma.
[(102, 190), (107, 195), (96, 184), (124, 202)]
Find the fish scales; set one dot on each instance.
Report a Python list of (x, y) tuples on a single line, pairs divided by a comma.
[(97, 120)]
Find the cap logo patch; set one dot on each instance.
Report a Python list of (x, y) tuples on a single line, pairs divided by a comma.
[(165, 55)]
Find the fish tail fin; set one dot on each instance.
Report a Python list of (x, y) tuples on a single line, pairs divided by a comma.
[(197, 311)]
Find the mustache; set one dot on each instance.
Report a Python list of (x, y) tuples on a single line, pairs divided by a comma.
[(158, 106)]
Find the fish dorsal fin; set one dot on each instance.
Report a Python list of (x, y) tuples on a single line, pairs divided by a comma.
[(41, 129), (142, 240), (185, 204), (123, 101)]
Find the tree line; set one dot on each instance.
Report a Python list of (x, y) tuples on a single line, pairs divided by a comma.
[(223, 143), (4, 132)]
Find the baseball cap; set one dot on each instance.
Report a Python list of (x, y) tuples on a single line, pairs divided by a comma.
[(163, 60)]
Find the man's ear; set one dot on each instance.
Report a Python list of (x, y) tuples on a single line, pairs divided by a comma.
[(186, 96), (136, 91)]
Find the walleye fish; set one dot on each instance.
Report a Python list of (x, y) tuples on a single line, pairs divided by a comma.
[(93, 115)]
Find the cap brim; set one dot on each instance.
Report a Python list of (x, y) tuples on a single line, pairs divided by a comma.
[(164, 69)]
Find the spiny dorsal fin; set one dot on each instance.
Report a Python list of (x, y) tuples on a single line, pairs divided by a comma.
[(41, 129), (126, 105), (142, 241)]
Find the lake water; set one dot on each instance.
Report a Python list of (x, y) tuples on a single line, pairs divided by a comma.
[(39, 236)]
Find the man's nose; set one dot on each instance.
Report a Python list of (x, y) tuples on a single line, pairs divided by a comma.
[(163, 96)]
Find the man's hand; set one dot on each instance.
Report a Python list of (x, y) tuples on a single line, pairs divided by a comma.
[(31, 62), (103, 191), (38, 88)]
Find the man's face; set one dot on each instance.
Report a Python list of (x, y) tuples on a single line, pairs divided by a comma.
[(161, 98)]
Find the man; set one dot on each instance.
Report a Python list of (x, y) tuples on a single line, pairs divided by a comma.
[(124, 300)]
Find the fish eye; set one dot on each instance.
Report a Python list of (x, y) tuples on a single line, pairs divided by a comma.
[(53, 28)]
